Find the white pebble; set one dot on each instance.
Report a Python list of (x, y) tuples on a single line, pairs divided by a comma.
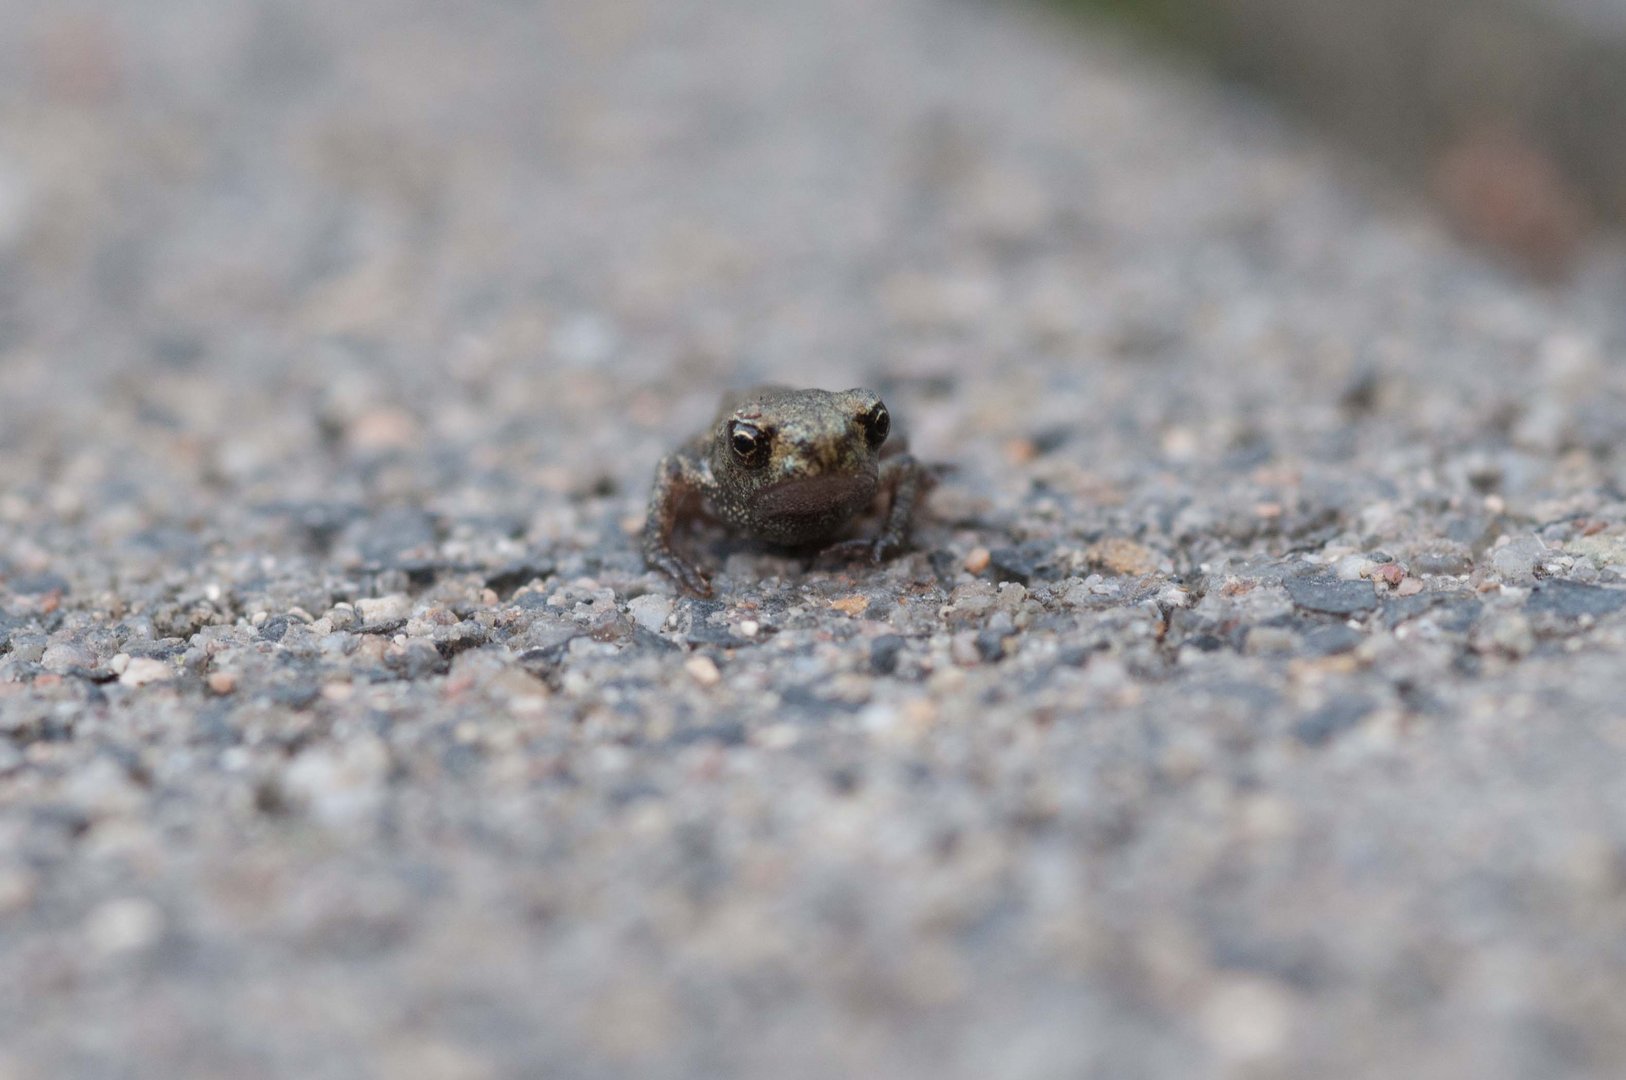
[(124, 925), (650, 611), (703, 670), (385, 608), (143, 670)]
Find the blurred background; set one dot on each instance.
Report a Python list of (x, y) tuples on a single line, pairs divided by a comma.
[(1507, 111)]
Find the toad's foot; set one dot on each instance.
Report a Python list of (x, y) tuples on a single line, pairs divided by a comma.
[(689, 577), (903, 483), (860, 549), (678, 483)]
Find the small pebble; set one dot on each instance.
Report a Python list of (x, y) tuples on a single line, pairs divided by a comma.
[(703, 670), (1122, 557), (1246, 1019), (124, 925), (650, 611), (144, 671), (384, 609), (1391, 574)]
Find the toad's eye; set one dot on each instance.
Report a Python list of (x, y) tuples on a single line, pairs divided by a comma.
[(877, 424), (749, 443)]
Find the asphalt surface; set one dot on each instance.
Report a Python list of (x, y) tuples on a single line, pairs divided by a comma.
[(1250, 705)]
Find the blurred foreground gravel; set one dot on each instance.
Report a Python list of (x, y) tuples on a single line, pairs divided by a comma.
[(1252, 705)]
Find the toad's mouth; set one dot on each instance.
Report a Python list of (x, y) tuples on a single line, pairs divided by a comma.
[(812, 496)]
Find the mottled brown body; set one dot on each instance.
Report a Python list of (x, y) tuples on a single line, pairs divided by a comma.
[(789, 467)]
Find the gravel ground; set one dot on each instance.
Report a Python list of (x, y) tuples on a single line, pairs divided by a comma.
[(1250, 705)]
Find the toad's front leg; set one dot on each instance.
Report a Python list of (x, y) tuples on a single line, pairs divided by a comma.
[(903, 482), (677, 490)]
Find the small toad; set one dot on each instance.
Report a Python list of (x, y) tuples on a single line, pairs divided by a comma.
[(789, 467)]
